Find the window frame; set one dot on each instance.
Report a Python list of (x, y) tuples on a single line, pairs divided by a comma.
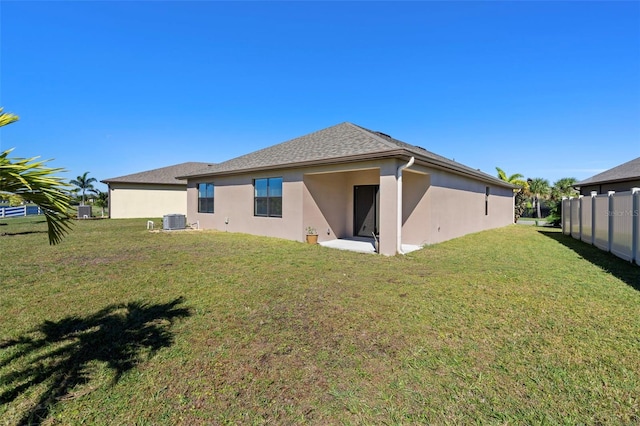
[(269, 201), (487, 192), (206, 199)]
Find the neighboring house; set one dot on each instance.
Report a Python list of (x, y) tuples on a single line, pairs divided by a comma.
[(153, 193), (620, 178), (346, 181)]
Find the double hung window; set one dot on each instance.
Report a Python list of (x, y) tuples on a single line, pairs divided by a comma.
[(268, 197), (205, 198)]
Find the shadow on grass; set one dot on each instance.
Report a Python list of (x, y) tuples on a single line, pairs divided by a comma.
[(619, 268), (31, 223), (55, 360), (12, 234)]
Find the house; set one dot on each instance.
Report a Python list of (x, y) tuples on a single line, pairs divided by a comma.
[(152, 193), (620, 178), (347, 181)]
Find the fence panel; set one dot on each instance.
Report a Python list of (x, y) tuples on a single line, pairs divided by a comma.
[(601, 231), (575, 217), (586, 215), (636, 216), (566, 216), (19, 211), (622, 225), (14, 211)]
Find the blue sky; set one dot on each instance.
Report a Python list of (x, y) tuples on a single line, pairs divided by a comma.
[(546, 89)]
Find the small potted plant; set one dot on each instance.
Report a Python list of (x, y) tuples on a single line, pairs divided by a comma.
[(312, 235)]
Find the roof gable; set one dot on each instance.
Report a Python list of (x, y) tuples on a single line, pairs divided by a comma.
[(334, 144), (340, 141), (164, 175), (626, 171)]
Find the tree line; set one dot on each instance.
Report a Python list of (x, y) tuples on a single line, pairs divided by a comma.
[(535, 191)]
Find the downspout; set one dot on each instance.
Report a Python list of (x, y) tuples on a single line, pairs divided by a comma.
[(399, 204)]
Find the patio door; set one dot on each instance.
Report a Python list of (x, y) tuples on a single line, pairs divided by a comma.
[(366, 210)]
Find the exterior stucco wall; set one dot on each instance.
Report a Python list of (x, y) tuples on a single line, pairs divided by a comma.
[(416, 211), (146, 200), (456, 207), (437, 205), (322, 193), (318, 197), (388, 208), (329, 196), (233, 203)]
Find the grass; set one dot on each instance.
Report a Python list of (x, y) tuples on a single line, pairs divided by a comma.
[(118, 325)]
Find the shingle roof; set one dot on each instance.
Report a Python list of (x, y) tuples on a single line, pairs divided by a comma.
[(163, 175), (627, 171), (340, 143)]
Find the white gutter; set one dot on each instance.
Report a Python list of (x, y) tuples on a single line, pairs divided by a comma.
[(399, 204)]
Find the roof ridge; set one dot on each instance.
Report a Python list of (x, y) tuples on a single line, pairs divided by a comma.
[(166, 174), (376, 135), (610, 174)]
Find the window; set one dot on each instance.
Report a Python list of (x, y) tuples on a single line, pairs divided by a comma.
[(205, 198), (268, 197), (486, 200)]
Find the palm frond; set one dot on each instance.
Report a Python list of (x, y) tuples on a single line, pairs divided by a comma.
[(7, 117), (32, 180)]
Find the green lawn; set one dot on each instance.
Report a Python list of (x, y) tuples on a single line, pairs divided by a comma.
[(118, 325)]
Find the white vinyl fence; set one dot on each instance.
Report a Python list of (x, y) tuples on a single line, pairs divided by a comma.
[(610, 221), (19, 211)]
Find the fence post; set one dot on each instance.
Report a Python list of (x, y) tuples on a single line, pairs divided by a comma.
[(1, 211), (25, 210), (635, 231), (562, 213), (611, 221), (570, 218), (593, 217), (580, 206)]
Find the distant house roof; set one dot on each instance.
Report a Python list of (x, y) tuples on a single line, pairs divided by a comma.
[(163, 175), (627, 171), (345, 142)]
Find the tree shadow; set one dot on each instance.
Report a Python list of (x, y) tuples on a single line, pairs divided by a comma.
[(12, 234), (619, 268), (55, 360), (35, 222)]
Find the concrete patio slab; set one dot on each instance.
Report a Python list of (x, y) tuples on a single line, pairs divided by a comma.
[(361, 245)]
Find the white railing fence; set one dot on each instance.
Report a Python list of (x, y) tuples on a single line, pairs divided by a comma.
[(610, 221), (19, 211)]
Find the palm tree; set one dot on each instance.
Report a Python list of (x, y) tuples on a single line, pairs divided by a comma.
[(32, 181), (539, 189), (560, 189), (520, 198), (514, 179), (84, 184), (102, 199), (563, 188)]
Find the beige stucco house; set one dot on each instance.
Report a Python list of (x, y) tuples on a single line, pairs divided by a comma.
[(152, 193), (346, 181)]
